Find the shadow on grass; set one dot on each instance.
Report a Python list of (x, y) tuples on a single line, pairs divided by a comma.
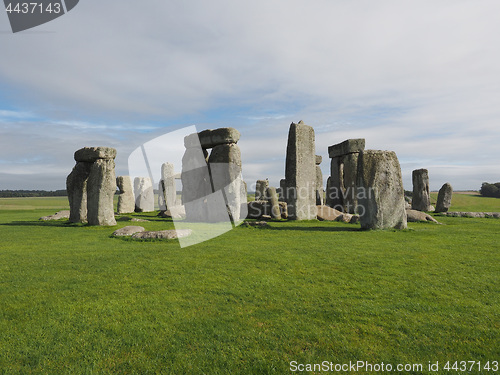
[(41, 223), (317, 229)]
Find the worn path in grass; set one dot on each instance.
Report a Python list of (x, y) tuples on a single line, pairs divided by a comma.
[(74, 300)]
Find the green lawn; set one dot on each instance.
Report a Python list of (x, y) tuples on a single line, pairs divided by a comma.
[(471, 202), (75, 300)]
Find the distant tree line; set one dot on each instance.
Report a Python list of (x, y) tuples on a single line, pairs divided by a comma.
[(32, 193), (490, 190)]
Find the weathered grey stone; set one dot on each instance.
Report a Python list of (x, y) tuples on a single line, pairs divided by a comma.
[(225, 170), (128, 231), (144, 194), (282, 190), (259, 209), (380, 191), (347, 218), (349, 172), (163, 234), (347, 147), (101, 189), (91, 154), (211, 138), (167, 189), (421, 199), (176, 212), (416, 216), (326, 213), (260, 189), (300, 172), (320, 192), (126, 199), (196, 184), (76, 186), (91, 186), (444, 198), (57, 216), (272, 199), (319, 159), (334, 191)]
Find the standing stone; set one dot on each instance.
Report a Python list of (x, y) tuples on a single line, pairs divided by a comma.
[(319, 182), (91, 186), (101, 189), (300, 172), (196, 182), (76, 186), (343, 173), (282, 190), (444, 198), (272, 198), (334, 192), (168, 190), (126, 200), (421, 199), (225, 169), (144, 194), (380, 191), (260, 189)]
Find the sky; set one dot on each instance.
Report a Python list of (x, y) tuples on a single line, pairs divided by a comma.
[(421, 78)]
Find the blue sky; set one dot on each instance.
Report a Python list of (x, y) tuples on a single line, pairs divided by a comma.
[(421, 78)]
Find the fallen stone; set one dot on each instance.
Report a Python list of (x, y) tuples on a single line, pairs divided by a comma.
[(347, 147), (326, 213), (416, 216), (92, 154), (128, 231), (176, 212), (57, 216), (163, 234), (348, 218)]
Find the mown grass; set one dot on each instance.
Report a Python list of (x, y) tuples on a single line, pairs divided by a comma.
[(75, 300), (471, 202)]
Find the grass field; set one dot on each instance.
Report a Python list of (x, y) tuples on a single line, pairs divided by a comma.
[(75, 300)]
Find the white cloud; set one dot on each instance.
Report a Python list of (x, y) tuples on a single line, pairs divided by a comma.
[(421, 78)]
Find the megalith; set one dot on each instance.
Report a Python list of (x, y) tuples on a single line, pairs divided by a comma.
[(421, 199), (144, 194), (167, 192), (380, 192), (91, 186), (126, 199), (300, 172), (319, 182), (260, 189), (212, 186), (225, 170), (444, 198), (272, 198), (341, 193)]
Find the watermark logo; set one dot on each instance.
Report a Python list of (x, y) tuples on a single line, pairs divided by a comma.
[(25, 15), (214, 196)]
